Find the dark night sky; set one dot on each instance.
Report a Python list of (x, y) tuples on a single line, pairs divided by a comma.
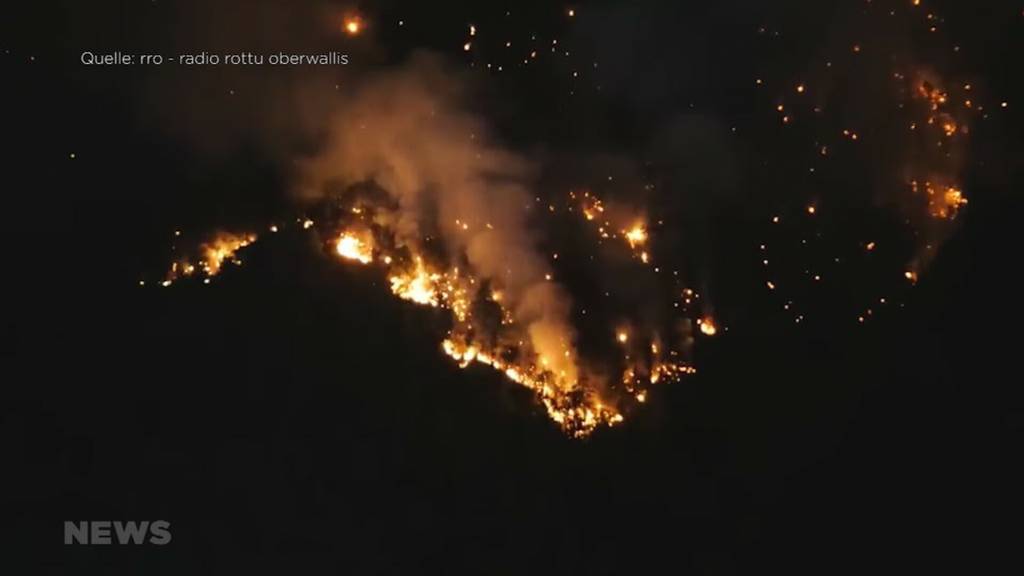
[(295, 418)]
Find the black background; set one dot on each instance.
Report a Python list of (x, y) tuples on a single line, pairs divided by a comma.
[(294, 418)]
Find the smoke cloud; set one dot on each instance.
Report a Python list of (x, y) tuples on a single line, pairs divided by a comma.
[(405, 131)]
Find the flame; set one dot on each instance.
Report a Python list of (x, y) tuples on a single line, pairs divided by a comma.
[(578, 404), (502, 299), (592, 207), (577, 417), (952, 200), (524, 333), (576, 408), (223, 247), (213, 254), (636, 235), (355, 248), (574, 404), (353, 25), (419, 287), (707, 326)]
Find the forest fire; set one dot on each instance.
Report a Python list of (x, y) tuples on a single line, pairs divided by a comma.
[(531, 285), (223, 247)]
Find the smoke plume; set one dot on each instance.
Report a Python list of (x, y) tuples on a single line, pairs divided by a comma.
[(406, 132)]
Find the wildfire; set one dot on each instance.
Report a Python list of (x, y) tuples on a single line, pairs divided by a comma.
[(213, 255), (578, 417), (223, 248), (576, 408), (354, 248), (499, 294), (420, 286), (540, 359)]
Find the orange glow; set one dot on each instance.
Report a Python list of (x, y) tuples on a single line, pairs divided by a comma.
[(353, 25), (540, 356), (707, 326), (636, 235), (351, 247)]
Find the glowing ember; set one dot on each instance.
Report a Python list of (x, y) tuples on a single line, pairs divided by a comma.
[(943, 202), (353, 25), (952, 201), (636, 236), (707, 326)]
